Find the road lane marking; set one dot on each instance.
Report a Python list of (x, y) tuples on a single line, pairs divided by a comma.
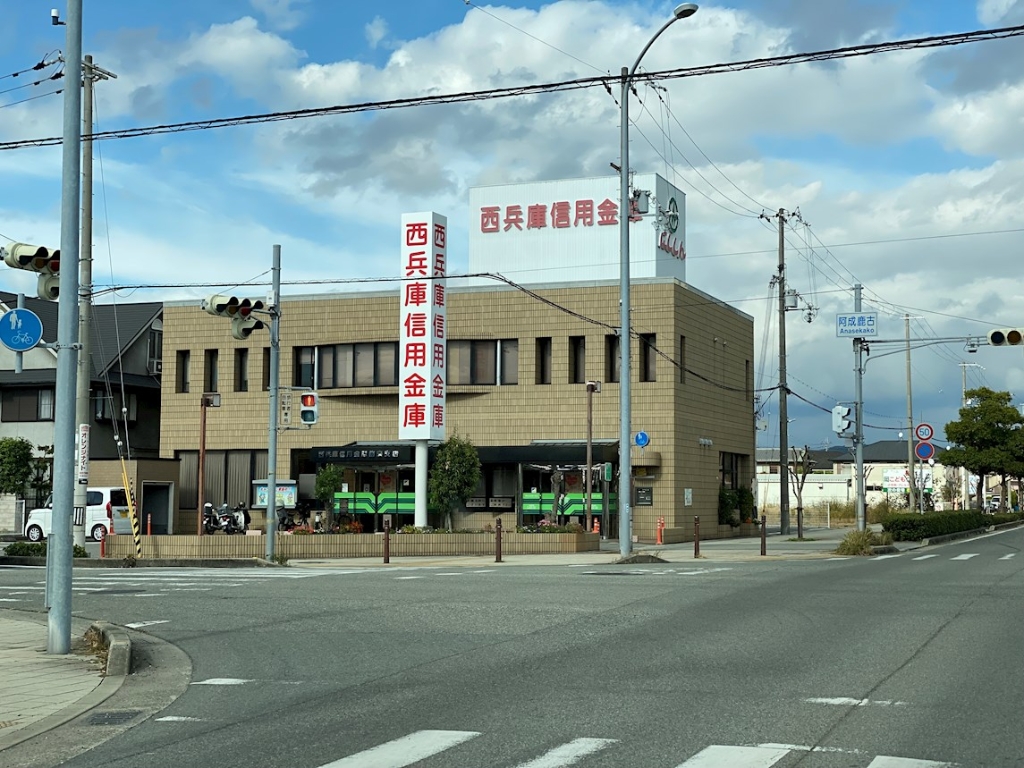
[(964, 557), (569, 754), (805, 748), (1007, 557), (845, 701), (886, 557), (735, 757), (885, 761), (407, 578), (10, 599), (924, 557), (832, 559), (141, 624), (405, 751), (222, 681), (173, 719)]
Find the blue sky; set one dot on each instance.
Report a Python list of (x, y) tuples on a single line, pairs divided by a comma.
[(918, 153)]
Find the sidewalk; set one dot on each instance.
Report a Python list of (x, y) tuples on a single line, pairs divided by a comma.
[(818, 543), (41, 690)]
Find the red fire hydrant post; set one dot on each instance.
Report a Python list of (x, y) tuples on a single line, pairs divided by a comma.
[(764, 535), (696, 536), (387, 542), (497, 541)]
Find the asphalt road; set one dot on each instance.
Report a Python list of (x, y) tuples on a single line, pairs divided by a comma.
[(820, 664)]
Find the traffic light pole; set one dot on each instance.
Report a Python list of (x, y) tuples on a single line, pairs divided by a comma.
[(275, 386), (59, 618)]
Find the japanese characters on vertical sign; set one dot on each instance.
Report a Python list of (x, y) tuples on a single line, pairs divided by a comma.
[(422, 347)]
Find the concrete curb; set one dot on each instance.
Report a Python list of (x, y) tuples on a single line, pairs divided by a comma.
[(119, 648), (952, 536), (106, 562)]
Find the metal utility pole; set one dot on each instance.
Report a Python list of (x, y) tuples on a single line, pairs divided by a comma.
[(965, 483), (90, 74), (911, 468), (592, 387), (783, 387), (275, 384), (59, 618), (858, 439)]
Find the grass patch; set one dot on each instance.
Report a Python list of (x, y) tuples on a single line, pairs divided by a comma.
[(805, 538), (859, 543)]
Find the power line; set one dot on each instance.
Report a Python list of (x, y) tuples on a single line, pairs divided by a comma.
[(42, 64), (938, 41), (33, 98)]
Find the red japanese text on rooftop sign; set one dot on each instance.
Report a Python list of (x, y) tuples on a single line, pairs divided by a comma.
[(561, 214)]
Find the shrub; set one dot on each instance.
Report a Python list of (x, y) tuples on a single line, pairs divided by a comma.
[(859, 543), (37, 549), (912, 526), (728, 501), (1004, 517), (745, 501)]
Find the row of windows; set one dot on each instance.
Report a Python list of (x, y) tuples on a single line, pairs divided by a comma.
[(37, 405), (375, 364)]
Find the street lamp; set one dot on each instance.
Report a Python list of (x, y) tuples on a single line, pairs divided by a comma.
[(625, 470)]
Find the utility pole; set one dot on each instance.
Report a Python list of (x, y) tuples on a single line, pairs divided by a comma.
[(911, 468), (783, 387), (858, 439), (965, 483), (275, 385), (90, 74), (58, 638)]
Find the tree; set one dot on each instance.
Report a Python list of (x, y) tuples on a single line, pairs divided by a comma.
[(986, 437), (454, 476), (329, 480), (16, 464), (799, 470)]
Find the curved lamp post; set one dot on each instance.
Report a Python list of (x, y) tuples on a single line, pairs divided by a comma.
[(625, 465)]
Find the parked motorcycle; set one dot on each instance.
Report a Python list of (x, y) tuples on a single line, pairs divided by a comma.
[(231, 520), (211, 521)]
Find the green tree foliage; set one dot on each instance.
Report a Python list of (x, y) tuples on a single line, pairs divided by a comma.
[(987, 437), (454, 476), (16, 463), (328, 482)]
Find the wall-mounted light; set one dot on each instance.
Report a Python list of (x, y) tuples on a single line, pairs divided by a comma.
[(705, 442)]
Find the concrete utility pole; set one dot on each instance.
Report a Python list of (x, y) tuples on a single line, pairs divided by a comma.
[(965, 484), (90, 74), (275, 385), (783, 387), (858, 439), (59, 619), (911, 468)]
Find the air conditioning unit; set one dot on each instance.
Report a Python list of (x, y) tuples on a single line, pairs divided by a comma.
[(156, 367)]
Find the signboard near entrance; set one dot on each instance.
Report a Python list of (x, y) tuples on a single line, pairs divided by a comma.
[(644, 497)]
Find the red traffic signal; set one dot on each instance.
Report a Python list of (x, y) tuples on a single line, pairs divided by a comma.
[(309, 408)]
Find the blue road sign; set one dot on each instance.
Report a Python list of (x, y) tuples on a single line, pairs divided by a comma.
[(924, 451), (20, 330), (642, 439)]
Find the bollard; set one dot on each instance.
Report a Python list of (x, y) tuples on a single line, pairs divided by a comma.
[(800, 523), (387, 542), (497, 541), (149, 525), (659, 537), (597, 526), (696, 536), (764, 535), (103, 547)]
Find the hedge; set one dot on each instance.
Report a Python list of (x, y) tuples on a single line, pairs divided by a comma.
[(914, 527)]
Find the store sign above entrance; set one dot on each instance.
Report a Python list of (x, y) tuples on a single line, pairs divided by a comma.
[(422, 345), (568, 230), (385, 454)]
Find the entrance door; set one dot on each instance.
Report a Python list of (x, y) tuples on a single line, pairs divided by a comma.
[(156, 507)]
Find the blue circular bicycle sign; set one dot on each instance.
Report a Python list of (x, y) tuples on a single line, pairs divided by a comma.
[(642, 439), (20, 330)]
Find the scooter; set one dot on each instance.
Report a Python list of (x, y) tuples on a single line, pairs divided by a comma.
[(211, 521), (231, 520)]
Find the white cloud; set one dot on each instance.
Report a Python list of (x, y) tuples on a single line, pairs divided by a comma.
[(991, 12), (376, 31), (282, 14)]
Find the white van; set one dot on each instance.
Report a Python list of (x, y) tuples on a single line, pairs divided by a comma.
[(103, 507)]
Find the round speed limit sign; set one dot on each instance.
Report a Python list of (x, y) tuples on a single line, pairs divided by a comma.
[(924, 431)]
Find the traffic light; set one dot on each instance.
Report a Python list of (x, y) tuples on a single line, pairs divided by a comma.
[(36, 258), (1002, 337), (840, 419), (309, 408), (238, 310)]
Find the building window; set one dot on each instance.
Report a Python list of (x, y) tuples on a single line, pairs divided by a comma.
[(473, 362), (612, 358), (730, 470), (266, 369), (367, 364), (303, 367), (104, 412), (181, 373), (648, 356), (27, 405), (241, 370), (682, 359), (509, 373), (210, 362), (577, 359), (155, 349), (543, 361)]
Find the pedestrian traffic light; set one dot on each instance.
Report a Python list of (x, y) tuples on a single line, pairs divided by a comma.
[(1002, 337), (36, 258), (238, 310), (309, 408), (840, 419)]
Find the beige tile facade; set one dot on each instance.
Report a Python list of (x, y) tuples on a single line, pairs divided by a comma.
[(712, 399)]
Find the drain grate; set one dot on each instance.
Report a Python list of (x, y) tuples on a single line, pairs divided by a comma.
[(114, 718)]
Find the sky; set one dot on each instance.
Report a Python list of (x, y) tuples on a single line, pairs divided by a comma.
[(906, 167)]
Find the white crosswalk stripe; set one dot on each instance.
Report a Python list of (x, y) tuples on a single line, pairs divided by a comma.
[(964, 557), (422, 745), (925, 557)]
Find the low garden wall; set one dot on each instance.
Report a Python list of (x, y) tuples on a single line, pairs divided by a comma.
[(717, 531), (328, 546)]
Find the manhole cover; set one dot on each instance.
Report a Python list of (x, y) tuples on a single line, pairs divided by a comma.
[(114, 718)]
